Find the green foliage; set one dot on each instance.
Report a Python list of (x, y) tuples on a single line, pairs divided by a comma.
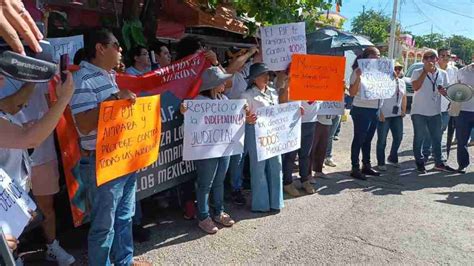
[(434, 40), (132, 33), (373, 24), (461, 46)]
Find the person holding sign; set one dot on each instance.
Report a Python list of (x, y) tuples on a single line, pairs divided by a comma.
[(364, 115), (266, 175), (391, 114), (211, 172), (429, 84), (113, 203)]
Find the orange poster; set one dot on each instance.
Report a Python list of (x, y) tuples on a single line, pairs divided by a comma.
[(128, 137), (317, 78)]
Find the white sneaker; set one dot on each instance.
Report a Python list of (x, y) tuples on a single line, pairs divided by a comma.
[(330, 162), (56, 253)]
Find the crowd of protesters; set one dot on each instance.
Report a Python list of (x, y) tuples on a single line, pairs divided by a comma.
[(27, 121)]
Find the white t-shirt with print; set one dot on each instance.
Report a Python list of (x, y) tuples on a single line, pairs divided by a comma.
[(427, 101), (310, 111), (358, 101)]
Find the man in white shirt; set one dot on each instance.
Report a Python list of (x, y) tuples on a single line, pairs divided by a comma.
[(465, 120), (429, 84), (444, 64)]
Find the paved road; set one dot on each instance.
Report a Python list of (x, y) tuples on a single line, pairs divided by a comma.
[(398, 218)]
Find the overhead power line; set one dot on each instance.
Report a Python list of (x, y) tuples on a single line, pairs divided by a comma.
[(447, 10)]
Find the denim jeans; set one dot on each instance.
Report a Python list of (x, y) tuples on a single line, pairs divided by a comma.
[(265, 176), (304, 155), (395, 125), (210, 176), (365, 124), (464, 128), (336, 126), (236, 170), (427, 142), (112, 209), (137, 218), (424, 126)]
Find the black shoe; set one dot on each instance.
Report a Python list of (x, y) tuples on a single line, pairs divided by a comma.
[(444, 168), (141, 234), (420, 168), (461, 170), (238, 198), (358, 175), (367, 170)]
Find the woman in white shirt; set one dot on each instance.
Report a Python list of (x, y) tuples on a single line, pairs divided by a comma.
[(364, 115), (266, 175)]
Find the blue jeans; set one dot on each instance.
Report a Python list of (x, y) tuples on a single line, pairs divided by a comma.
[(426, 126), (472, 135), (336, 126), (427, 142), (365, 125), (137, 218), (210, 175), (236, 170), (265, 176), (464, 129), (395, 125), (304, 155), (112, 209)]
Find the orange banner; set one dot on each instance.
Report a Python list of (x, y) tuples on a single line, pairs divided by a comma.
[(317, 78), (128, 137)]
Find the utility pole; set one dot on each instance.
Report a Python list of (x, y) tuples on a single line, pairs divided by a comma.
[(391, 43)]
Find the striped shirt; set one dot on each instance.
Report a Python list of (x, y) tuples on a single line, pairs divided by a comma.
[(92, 86), (133, 71)]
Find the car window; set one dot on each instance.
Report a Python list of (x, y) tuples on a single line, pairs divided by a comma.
[(412, 68)]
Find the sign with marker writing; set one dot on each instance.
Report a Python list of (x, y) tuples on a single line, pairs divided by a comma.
[(128, 137), (213, 128), (279, 42), (331, 108), (317, 78), (278, 129), (15, 206), (66, 45), (377, 80)]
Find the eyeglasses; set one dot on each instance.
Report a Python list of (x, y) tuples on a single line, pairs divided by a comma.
[(115, 44), (432, 57)]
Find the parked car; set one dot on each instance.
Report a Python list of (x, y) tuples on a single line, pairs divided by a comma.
[(407, 79)]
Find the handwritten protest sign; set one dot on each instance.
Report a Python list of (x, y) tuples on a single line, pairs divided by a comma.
[(331, 108), (128, 137), (15, 206), (377, 80), (278, 129), (279, 42), (317, 77), (66, 45), (213, 128)]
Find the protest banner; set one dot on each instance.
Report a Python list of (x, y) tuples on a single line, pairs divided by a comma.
[(169, 170), (377, 80), (128, 137), (278, 129), (66, 45), (213, 128), (279, 42), (331, 108), (15, 206), (317, 78)]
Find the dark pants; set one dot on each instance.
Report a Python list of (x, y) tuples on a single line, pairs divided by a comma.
[(304, 155), (423, 126), (464, 127), (320, 145), (365, 124), (395, 125)]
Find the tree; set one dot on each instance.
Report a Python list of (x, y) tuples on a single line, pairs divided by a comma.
[(461, 46), (432, 40), (373, 24)]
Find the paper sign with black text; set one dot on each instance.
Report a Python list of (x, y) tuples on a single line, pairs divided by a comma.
[(278, 129), (213, 128), (377, 79)]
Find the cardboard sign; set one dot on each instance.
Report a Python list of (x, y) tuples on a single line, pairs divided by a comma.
[(213, 128), (377, 80), (128, 137), (279, 42), (317, 78), (15, 206), (278, 129), (66, 45), (331, 108)]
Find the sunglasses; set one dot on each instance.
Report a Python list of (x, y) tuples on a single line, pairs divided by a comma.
[(432, 57), (398, 68)]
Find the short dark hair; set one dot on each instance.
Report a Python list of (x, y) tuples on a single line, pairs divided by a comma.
[(156, 46), (135, 51), (443, 49), (94, 37), (79, 56), (365, 54), (188, 46)]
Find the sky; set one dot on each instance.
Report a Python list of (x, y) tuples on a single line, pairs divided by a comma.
[(447, 17)]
